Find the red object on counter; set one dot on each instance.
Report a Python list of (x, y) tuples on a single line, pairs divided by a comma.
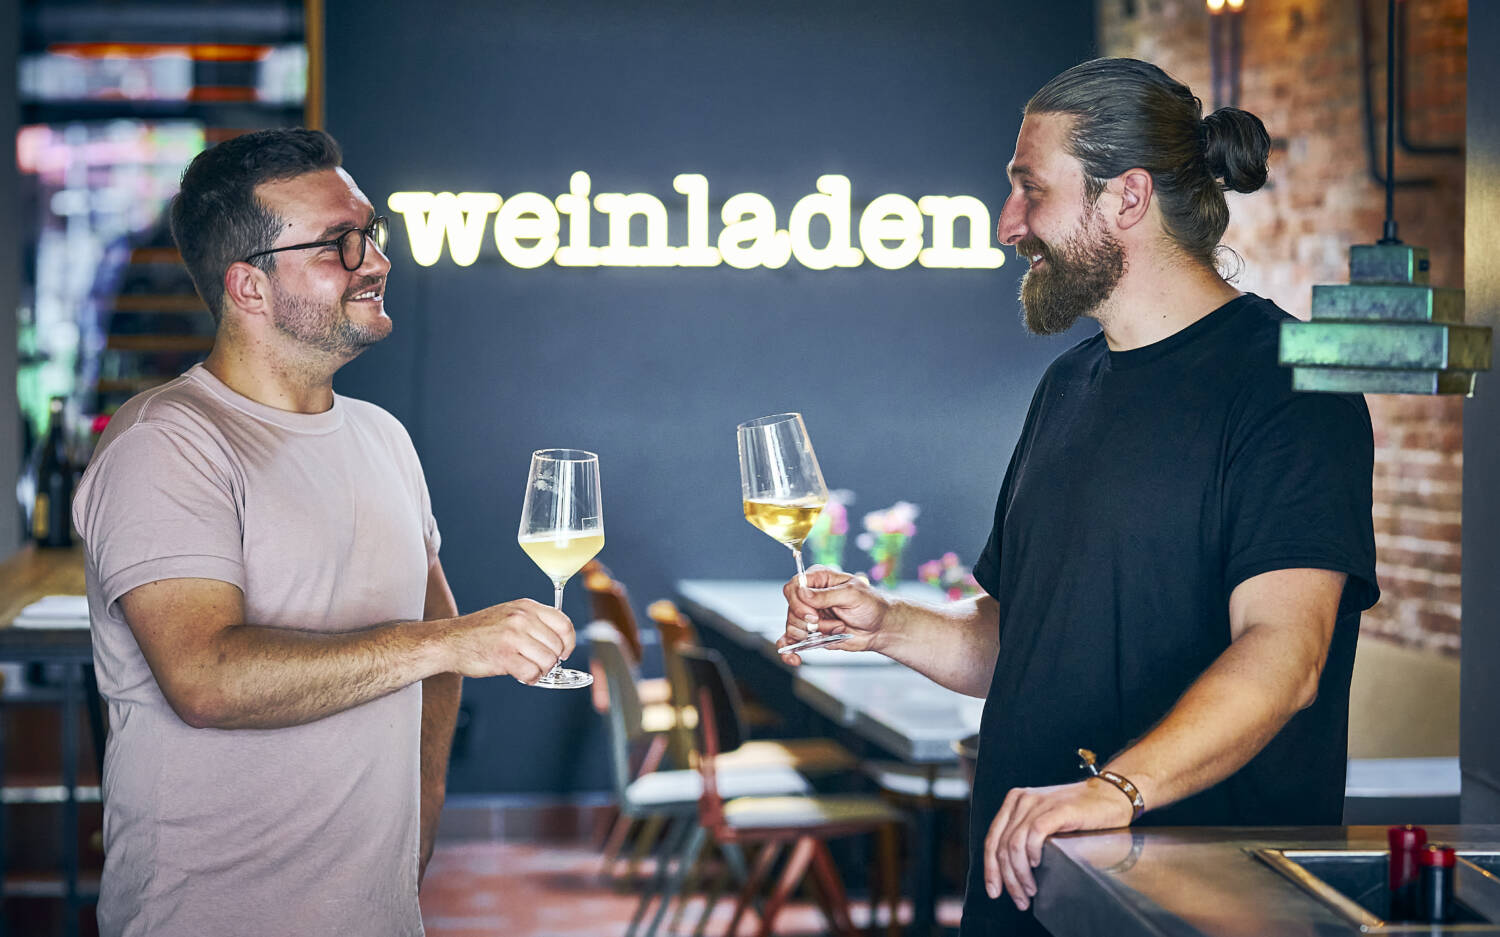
[(1442, 856), (1405, 842), (1437, 864)]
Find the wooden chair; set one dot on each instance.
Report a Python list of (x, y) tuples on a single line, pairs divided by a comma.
[(805, 823), (810, 756), (667, 801), (663, 724)]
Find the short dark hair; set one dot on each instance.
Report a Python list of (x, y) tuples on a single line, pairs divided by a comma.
[(216, 217), (1130, 114)]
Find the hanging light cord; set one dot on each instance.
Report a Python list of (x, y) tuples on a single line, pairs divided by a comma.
[(1388, 236)]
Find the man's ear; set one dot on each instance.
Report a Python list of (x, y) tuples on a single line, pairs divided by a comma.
[(1136, 187), (247, 287)]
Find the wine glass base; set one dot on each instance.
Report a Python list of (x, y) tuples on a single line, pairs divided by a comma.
[(564, 679), (816, 639)]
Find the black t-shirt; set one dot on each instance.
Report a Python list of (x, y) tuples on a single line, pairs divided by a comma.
[(1145, 486)]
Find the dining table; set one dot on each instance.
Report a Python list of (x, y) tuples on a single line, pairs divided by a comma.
[(43, 621)]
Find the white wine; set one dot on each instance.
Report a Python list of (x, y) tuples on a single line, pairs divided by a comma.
[(562, 554), (786, 521)]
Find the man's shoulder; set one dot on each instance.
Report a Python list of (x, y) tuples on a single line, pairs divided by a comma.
[(1080, 358), (371, 414), (376, 420), (180, 406)]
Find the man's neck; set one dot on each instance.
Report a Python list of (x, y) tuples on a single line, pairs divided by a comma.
[(1159, 296), (279, 381)]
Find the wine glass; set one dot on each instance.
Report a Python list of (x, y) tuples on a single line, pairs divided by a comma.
[(562, 527), (783, 492)]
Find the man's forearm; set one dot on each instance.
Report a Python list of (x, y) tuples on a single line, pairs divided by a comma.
[(255, 677), (1221, 722), (955, 645)]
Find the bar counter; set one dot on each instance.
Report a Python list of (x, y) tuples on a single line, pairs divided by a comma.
[(1203, 882)]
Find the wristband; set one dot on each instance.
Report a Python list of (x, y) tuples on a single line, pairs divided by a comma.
[(1137, 802)]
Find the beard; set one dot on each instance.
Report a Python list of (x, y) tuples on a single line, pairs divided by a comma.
[(1080, 274), (327, 329)]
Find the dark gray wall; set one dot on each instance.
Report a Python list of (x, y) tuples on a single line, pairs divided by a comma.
[(10, 276), (1480, 693), (913, 382)]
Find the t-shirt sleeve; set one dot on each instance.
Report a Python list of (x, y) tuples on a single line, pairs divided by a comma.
[(1298, 495), (154, 506)]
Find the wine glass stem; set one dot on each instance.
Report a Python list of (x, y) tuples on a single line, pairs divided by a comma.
[(557, 590), (802, 581)]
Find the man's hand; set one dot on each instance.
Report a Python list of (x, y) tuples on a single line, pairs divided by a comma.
[(1029, 815), (522, 638), (841, 604)]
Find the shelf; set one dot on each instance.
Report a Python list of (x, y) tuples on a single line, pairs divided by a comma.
[(169, 343), (159, 302), (129, 385), (47, 794), (244, 113), (42, 885), (155, 255)]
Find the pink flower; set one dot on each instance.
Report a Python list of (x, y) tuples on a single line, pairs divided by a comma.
[(838, 517)]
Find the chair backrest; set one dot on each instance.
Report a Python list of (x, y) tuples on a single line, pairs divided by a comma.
[(677, 632), (708, 675), (714, 696), (624, 712), (609, 601)]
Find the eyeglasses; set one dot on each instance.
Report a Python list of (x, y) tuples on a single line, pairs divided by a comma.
[(351, 243)]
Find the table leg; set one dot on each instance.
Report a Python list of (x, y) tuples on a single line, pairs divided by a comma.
[(3, 811), (70, 803), (928, 878)]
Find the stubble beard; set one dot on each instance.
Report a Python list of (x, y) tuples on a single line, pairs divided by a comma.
[(327, 329), (1081, 273)]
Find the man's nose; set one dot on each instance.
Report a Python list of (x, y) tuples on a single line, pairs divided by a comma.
[(377, 261), (1012, 224)]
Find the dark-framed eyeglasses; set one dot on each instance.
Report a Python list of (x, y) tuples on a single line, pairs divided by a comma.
[(351, 243)]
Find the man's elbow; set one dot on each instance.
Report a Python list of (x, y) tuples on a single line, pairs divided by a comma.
[(1307, 689), (199, 707)]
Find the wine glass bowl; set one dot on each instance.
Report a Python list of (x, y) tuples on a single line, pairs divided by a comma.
[(783, 491), (562, 528)]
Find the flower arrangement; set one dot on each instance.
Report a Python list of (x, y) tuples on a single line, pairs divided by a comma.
[(885, 536), (948, 574), (825, 542)]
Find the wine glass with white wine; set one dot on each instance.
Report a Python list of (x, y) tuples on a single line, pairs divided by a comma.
[(783, 492), (562, 527)]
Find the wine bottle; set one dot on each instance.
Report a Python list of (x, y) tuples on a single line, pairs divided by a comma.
[(51, 525)]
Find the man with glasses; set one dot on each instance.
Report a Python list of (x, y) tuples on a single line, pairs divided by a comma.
[(274, 636)]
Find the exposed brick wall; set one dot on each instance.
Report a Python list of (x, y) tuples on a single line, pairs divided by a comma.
[(1300, 73)]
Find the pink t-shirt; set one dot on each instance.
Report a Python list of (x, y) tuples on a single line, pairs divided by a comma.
[(323, 522)]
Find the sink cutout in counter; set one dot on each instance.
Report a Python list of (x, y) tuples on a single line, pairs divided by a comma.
[(1353, 883)]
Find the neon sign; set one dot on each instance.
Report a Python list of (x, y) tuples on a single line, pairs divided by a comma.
[(530, 229)]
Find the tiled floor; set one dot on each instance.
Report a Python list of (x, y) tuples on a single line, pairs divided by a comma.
[(486, 889)]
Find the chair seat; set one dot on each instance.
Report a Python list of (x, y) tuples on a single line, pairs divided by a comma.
[(664, 717), (683, 787), (946, 782), (809, 756), (654, 690), (747, 813)]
